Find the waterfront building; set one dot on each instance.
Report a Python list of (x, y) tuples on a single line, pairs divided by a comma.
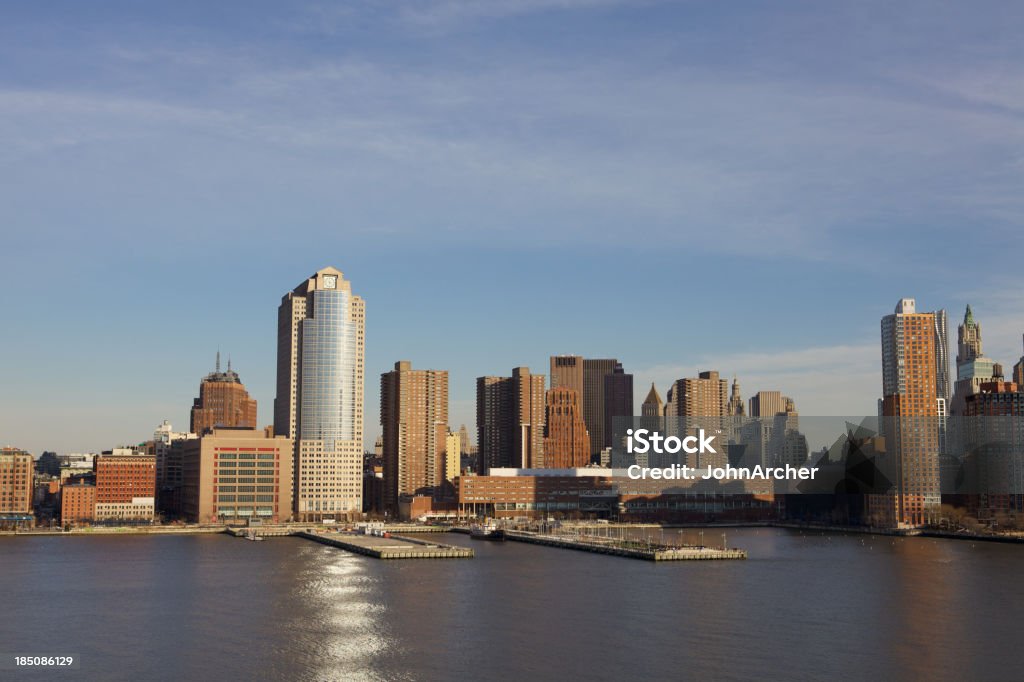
[(414, 418), (591, 491), (510, 420), (167, 448), (910, 409), (233, 474), (566, 441), (17, 469), (319, 402), (125, 487), (77, 503), (222, 401)]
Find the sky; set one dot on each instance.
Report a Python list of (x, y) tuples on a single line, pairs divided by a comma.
[(746, 187)]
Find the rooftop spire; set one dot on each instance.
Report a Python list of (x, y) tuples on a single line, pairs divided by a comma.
[(217, 367), (969, 317)]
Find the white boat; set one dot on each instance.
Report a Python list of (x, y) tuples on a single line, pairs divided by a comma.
[(489, 531)]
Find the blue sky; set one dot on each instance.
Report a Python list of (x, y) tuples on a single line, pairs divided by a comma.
[(745, 187)]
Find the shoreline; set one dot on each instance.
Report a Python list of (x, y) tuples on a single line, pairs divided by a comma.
[(817, 528)]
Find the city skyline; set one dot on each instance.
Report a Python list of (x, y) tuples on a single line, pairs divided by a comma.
[(640, 393), (148, 146)]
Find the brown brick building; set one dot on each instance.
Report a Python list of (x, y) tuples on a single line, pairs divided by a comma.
[(125, 487), (16, 471), (510, 420), (234, 474), (414, 417), (910, 410), (222, 401), (566, 441), (77, 503)]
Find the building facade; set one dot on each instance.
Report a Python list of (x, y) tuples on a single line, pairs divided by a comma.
[(125, 488), (566, 441), (16, 485), (231, 475), (414, 419), (510, 415), (319, 402), (618, 401), (77, 503)]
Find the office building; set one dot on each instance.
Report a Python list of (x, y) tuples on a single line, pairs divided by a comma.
[(222, 401), (566, 441), (414, 419), (652, 405), (319, 403), (233, 474)]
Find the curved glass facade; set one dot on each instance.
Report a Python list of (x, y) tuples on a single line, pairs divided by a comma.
[(328, 370)]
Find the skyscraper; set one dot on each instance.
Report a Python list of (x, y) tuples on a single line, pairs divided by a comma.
[(700, 403), (319, 401), (767, 404), (566, 441), (652, 405), (414, 417), (972, 367), (618, 401), (594, 373), (911, 411), (735, 408), (510, 420), (222, 401)]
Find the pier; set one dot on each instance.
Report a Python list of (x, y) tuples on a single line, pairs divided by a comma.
[(628, 548), (394, 547)]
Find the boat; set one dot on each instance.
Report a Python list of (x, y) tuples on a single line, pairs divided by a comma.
[(488, 531), (255, 538)]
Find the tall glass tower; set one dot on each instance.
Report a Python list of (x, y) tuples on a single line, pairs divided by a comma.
[(319, 401)]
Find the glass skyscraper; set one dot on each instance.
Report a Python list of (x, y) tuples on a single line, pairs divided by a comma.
[(319, 400)]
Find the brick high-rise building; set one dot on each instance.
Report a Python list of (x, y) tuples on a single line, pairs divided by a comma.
[(319, 403), (125, 487), (910, 408), (414, 417), (567, 372), (566, 441), (510, 420), (235, 474), (16, 481), (222, 401)]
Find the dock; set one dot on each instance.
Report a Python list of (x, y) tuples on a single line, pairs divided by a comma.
[(629, 549), (394, 547)]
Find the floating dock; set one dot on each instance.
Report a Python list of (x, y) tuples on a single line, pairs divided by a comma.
[(394, 547), (630, 549)]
